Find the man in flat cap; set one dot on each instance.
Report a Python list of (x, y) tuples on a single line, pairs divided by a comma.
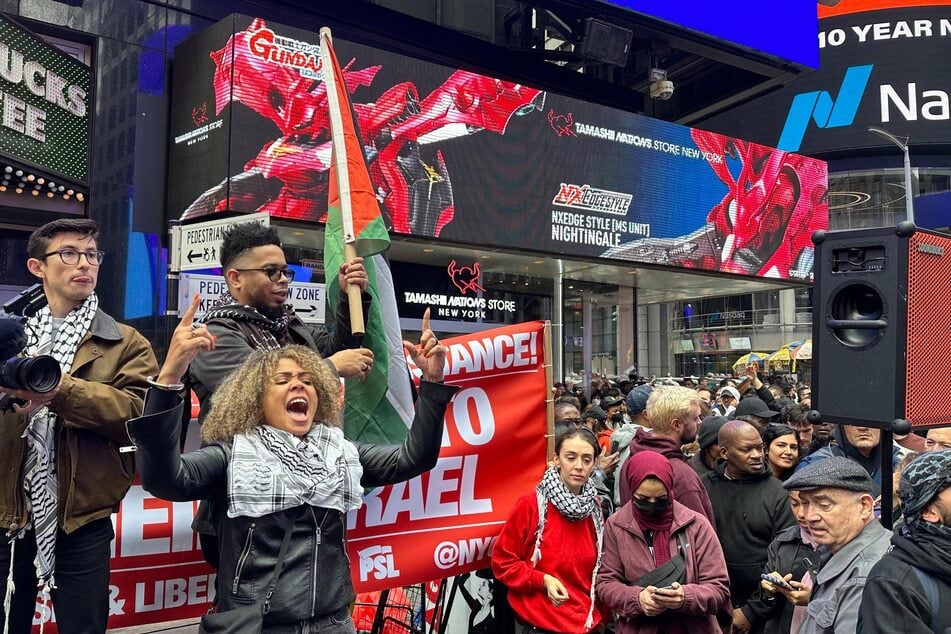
[(906, 589), (836, 494)]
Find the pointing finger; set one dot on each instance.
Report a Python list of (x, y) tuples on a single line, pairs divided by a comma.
[(189, 315), (425, 320)]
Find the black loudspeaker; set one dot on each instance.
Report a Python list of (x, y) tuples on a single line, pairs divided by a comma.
[(606, 43), (881, 326)]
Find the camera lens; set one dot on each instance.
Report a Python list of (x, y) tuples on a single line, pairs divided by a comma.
[(32, 374)]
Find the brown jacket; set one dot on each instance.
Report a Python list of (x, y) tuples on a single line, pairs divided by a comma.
[(105, 387)]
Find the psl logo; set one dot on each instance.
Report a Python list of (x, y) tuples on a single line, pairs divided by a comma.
[(379, 561), (826, 112)]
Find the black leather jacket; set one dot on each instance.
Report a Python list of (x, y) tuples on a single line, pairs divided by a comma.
[(316, 575)]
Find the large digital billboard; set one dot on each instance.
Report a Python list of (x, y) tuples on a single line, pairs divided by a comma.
[(44, 104), (884, 63), (783, 29), (476, 160)]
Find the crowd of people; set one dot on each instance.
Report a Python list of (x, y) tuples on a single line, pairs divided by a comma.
[(716, 506), (708, 506)]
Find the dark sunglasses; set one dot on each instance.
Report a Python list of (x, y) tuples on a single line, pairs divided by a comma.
[(274, 273)]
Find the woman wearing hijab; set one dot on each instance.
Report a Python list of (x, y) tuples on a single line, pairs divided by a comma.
[(648, 532), (549, 549), (280, 474)]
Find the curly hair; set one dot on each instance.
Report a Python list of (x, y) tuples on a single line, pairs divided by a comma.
[(242, 238), (237, 406)]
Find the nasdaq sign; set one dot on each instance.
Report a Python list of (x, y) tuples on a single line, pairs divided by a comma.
[(823, 109)]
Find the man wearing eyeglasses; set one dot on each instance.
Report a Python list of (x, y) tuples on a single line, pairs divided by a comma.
[(253, 314), (63, 475)]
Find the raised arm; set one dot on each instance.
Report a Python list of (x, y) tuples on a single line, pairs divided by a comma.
[(165, 472)]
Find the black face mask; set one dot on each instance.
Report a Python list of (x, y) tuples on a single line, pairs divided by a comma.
[(617, 417), (651, 508)]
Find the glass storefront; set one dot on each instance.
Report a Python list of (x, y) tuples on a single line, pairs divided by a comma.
[(876, 198)]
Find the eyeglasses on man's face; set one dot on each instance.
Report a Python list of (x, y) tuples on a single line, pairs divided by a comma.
[(71, 256), (274, 273)]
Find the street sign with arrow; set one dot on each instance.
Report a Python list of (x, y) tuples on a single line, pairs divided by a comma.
[(198, 246)]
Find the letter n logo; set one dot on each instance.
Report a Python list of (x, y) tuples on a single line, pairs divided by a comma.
[(823, 110)]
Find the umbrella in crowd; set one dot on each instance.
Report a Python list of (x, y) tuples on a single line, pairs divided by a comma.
[(803, 353), (780, 359), (747, 359)]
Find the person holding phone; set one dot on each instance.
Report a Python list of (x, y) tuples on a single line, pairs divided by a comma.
[(786, 582), (663, 569)]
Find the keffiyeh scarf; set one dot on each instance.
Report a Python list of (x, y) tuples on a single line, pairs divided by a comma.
[(271, 470), (40, 477), (924, 478), (269, 332), (575, 508)]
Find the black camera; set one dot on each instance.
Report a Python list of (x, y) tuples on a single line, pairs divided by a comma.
[(31, 374)]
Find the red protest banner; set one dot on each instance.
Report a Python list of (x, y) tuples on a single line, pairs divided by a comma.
[(444, 522), (157, 570), (438, 525)]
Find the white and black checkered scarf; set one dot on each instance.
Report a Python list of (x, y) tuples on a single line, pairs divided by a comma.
[(40, 479), (574, 508), (270, 333), (271, 470)]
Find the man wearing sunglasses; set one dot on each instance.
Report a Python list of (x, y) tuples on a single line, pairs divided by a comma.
[(63, 475), (253, 314)]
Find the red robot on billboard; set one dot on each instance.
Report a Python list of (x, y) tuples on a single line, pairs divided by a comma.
[(280, 79), (763, 224)]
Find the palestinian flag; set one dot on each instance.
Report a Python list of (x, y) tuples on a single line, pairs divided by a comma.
[(380, 408)]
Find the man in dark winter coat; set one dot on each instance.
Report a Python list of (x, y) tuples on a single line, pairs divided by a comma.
[(907, 588), (751, 509), (674, 414), (861, 445), (253, 313)]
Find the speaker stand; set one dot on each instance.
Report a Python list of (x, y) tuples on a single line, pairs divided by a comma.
[(888, 469)]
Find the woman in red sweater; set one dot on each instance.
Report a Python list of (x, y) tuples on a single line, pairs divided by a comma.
[(549, 549)]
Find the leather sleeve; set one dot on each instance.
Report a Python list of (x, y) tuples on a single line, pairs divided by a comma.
[(388, 464), (166, 473)]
